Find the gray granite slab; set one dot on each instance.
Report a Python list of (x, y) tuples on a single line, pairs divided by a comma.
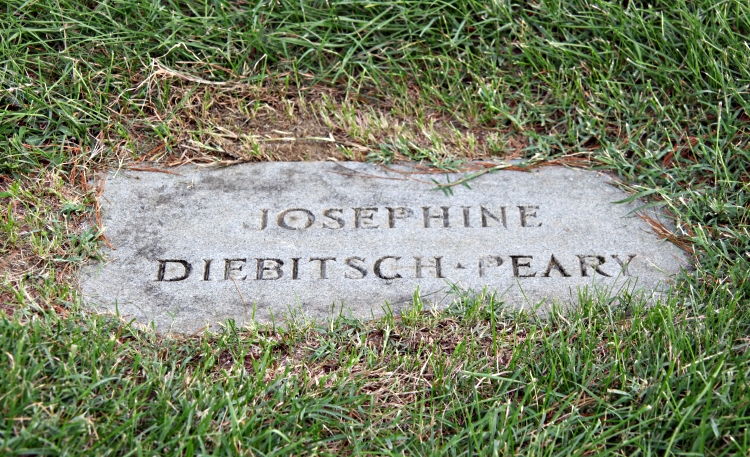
[(256, 241)]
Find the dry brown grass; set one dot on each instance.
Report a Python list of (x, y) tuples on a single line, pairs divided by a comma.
[(44, 216), (226, 123), (664, 232), (408, 355)]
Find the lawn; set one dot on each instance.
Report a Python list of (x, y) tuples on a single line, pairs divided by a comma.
[(656, 94)]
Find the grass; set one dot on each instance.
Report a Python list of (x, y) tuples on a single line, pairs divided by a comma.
[(656, 94), (475, 379)]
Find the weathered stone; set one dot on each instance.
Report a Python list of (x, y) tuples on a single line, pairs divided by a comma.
[(256, 241)]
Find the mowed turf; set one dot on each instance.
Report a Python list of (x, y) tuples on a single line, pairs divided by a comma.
[(656, 94)]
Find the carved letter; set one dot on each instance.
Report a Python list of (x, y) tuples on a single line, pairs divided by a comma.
[(377, 269), (428, 216), (262, 268), (397, 213), (329, 214), (436, 265), (323, 260), (515, 259), (525, 215), (282, 221), (263, 218), (467, 219), (486, 214), (295, 268), (206, 269), (229, 268), (584, 264), (360, 268), (624, 265), (553, 263), (496, 258), (363, 218), (162, 271)]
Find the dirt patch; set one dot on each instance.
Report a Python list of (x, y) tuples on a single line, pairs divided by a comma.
[(225, 123), (43, 239)]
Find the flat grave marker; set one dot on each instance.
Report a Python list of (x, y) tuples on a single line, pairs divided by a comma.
[(256, 241)]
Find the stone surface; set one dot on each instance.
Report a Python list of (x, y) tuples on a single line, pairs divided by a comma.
[(256, 241)]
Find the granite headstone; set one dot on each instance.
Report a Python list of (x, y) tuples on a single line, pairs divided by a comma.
[(256, 242)]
